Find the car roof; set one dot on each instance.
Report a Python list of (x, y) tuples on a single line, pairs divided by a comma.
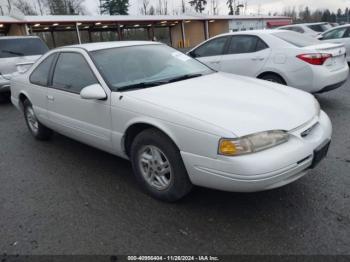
[(255, 32), (107, 45)]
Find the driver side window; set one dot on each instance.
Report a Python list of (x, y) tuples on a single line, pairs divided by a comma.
[(72, 73), (212, 48)]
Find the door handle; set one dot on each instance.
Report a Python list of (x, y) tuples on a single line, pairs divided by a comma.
[(215, 62), (51, 98)]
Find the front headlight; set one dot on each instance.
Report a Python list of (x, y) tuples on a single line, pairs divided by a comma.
[(252, 143)]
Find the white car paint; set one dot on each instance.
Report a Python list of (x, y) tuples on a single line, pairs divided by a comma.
[(338, 35), (280, 58), (306, 28), (195, 114)]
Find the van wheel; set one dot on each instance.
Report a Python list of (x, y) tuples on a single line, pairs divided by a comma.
[(158, 166), (38, 130), (273, 78)]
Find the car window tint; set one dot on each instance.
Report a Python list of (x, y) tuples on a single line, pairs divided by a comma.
[(72, 73), (261, 45), (319, 27), (40, 75), (22, 47), (211, 48), (242, 44), (335, 34)]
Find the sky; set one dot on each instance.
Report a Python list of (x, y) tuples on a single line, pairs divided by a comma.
[(265, 6)]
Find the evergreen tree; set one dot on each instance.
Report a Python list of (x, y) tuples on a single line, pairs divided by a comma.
[(199, 5), (115, 7)]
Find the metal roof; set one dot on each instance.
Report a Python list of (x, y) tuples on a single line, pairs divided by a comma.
[(127, 18)]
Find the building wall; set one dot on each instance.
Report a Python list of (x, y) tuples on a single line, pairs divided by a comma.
[(242, 25), (218, 27), (176, 36), (195, 33)]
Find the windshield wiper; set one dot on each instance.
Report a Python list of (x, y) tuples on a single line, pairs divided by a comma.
[(141, 85), (157, 83), (183, 77), (13, 52)]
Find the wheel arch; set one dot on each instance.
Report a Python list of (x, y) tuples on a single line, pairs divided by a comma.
[(137, 127), (21, 98), (261, 75)]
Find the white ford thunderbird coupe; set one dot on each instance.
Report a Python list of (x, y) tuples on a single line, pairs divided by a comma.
[(179, 122)]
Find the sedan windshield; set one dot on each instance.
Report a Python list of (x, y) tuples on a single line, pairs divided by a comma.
[(145, 66)]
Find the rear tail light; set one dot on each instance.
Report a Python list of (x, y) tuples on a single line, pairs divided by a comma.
[(314, 59)]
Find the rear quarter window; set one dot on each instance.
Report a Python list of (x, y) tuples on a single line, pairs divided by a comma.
[(22, 47)]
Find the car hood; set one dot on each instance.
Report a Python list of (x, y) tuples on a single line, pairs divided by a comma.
[(239, 104)]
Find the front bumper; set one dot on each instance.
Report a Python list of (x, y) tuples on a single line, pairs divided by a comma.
[(265, 170)]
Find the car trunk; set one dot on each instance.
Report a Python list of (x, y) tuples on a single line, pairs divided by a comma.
[(338, 52)]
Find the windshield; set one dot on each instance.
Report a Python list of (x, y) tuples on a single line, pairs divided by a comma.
[(22, 47), (296, 39), (138, 66), (320, 27)]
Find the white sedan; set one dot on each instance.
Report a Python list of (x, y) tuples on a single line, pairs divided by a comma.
[(340, 34), (310, 29), (279, 56), (177, 121)]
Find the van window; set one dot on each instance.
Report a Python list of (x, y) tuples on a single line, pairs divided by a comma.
[(22, 47)]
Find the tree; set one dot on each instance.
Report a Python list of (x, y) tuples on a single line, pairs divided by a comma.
[(65, 7), (199, 5), (183, 6), (152, 10), (231, 6), (144, 8), (25, 7), (115, 7)]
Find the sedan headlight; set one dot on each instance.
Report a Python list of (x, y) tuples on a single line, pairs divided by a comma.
[(252, 143)]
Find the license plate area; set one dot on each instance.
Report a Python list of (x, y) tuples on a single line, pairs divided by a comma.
[(320, 153)]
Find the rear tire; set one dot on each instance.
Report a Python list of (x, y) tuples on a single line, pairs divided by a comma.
[(273, 78), (158, 166), (38, 130)]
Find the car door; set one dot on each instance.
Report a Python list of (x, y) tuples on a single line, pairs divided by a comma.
[(39, 81), (245, 55), (210, 52), (339, 35), (88, 121)]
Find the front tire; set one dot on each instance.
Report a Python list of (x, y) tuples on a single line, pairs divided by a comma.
[(158, 166), (38, 130)]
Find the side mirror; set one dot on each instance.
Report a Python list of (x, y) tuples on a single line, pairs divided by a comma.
[(320, 37), (93, 92)]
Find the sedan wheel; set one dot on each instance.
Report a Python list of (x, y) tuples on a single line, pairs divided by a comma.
[(158, 166), (33, 123), (38, 130), (155, 167)]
